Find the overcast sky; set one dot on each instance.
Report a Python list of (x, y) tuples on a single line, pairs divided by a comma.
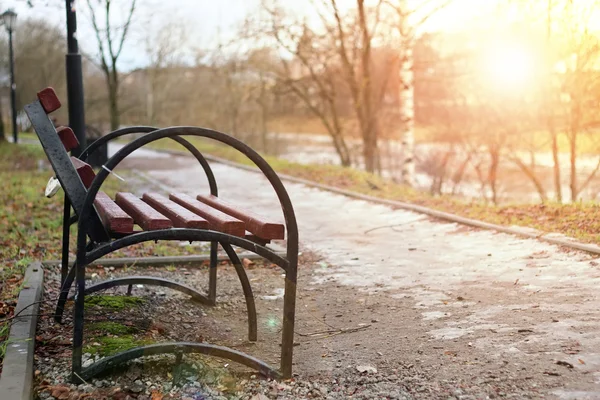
[(203, 19)]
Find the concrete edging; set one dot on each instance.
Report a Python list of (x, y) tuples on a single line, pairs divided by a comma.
[(519, 231), (16, 382)]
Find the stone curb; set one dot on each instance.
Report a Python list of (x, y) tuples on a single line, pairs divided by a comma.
[(16, 382), (530, 233), (168, 260)]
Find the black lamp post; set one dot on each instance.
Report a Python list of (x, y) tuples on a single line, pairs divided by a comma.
[(75, 79), (9, 18)]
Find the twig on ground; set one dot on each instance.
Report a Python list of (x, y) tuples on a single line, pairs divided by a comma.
[(333, 332), (394, 225)]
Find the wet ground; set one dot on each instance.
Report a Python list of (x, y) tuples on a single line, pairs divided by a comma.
[(464, 305)]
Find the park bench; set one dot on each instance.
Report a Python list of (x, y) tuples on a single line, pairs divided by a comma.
[(105, 225)]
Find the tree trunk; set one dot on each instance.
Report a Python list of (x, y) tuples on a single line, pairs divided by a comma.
[(460, 173), (574, 128), (493, 172), (407, 118), (2, 136), (556, 165), (264, 117), (573, 163), (113, 100), (370, 151), (341, 149), (529, 171)]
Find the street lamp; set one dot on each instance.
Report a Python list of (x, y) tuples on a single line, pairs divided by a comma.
[(9, 18)]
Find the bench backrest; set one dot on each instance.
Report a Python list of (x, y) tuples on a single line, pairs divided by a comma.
[(57, 154)]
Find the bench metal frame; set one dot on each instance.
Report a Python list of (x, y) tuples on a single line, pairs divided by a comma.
[(94, 242)]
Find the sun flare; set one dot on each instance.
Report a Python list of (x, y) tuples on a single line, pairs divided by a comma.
[(509, 66)]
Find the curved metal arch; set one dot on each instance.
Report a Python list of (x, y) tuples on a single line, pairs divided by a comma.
[(178, 347), (113, 135), (185, 234), (212, 183), (247, 289), (260, 162), (150, 281)]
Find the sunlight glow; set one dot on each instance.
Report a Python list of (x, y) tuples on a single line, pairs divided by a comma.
[(509, 66)]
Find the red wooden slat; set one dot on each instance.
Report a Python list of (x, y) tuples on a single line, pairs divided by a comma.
[(112, 216), (49, 100), (253, 238), (254, 222), (181, 216), (217, 220), (143, 215), (85, 171), (67, 137)]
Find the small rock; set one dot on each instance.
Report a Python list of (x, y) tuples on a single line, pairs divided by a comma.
[(88, 363), (137, 386), (366, 369)]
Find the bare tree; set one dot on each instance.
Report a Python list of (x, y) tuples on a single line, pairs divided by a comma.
[(309, 70), (110, 40), (407, 22)]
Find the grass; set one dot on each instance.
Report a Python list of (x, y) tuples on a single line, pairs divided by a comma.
[(114, 303), (111, 328), (109, 345)]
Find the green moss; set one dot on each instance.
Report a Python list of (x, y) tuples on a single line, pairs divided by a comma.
[(113, 302), (111, 345), (112, 328)]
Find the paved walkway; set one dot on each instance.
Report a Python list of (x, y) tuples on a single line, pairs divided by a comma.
[(467, 281)]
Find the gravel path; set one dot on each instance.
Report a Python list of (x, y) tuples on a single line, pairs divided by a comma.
[(527, 305), (412, 308)]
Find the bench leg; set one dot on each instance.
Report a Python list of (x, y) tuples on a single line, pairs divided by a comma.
[(65, 287), (178, 349), (212, 274), (78, 315), (289, 311), (250, 306), (65, 241)]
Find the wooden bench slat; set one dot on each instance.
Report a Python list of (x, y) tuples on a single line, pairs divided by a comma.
[(181, 216), (255, 223), (143, 215), (49, 100), (217, 220), (67, 137), (112, 216), (85, 171)]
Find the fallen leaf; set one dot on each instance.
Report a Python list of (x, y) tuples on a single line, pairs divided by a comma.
[(581, 361), (156, 395), (60, 392)]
